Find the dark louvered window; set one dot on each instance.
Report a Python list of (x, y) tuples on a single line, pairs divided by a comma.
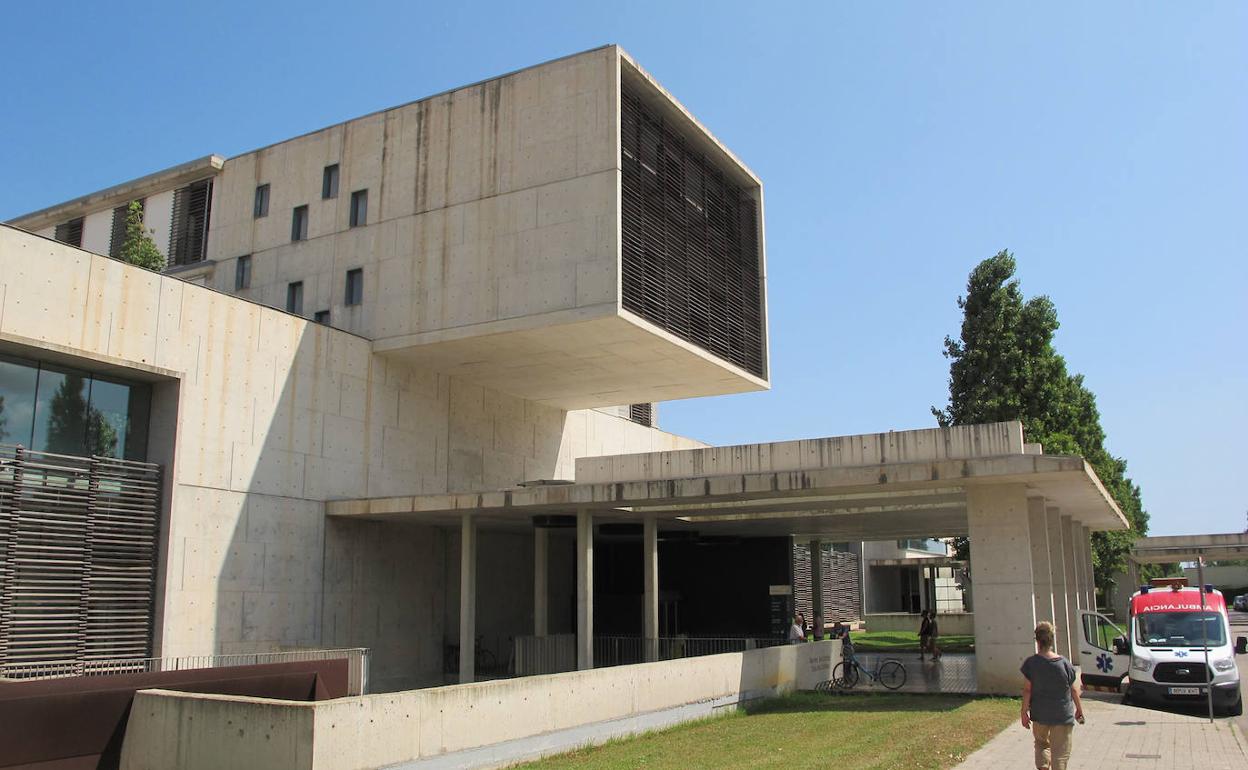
[(188, 234), (118, 237), (642, 414), (359, 208), (690, 242), (70, 232), (299, 223)]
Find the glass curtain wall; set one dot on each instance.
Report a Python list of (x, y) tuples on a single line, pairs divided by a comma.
[(51, 408)]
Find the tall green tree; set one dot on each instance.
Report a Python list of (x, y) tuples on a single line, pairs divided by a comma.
[(138, 248), (1004, 367)]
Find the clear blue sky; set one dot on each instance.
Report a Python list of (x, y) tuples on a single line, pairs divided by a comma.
[(1106, 144)]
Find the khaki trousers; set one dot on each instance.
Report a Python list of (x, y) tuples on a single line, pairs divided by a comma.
[(1052, 745)]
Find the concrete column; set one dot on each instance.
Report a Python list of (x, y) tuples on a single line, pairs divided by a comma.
[(1086, 541), (467, 599), (816, 587), (1005, 614), (1128, 583), (584, 590), (1074, 600), (541, 578), (650, 570), (1041, 570), (1057, 573)]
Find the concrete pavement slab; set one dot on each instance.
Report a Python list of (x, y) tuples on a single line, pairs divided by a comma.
[(1118, 736)]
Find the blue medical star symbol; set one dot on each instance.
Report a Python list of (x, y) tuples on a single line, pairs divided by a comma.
[(1104, 662)]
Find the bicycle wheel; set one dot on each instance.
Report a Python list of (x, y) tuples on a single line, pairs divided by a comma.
[(845, 675), (892, 674)]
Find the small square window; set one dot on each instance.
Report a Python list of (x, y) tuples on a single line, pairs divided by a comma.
[(321, 317), (299, 224), (355, 287), (261, 207), (242, 273), (329, 182), (294, 298), (359, 208)]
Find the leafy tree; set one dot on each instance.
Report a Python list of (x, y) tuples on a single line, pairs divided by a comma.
[(74, 426), (138, 248), (1004, 367)]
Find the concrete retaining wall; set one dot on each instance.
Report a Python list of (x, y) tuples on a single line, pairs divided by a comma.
[(948, 623), (194, 731)]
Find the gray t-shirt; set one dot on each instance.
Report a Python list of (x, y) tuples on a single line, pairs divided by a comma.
[(1051, 679)]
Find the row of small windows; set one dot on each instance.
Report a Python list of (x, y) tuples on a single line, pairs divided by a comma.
[(299, 215), (353, 294)]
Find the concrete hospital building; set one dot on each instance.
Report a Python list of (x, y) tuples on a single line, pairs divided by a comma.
[(397, 388)]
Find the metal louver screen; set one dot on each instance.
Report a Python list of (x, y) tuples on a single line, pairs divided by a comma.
[(70, 232), (690, 242), (78, 553), (842, 597), (188, 232), (642, 414), (118, 237)]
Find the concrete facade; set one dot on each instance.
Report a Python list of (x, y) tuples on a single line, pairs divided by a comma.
[(264, 416), (490, 246), (190, 730)]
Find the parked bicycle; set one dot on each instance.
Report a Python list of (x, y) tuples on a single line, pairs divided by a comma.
[(890, 673)]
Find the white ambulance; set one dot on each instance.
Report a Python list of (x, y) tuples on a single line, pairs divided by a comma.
[(1162, 653)]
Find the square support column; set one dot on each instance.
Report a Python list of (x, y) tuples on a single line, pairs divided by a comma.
[(541, 578), (584, 590), (467, 599), (650, 571), (1005, 616), (1057, 571), (1041, 570), (816, 587), (1090, 578), (1074, 599)]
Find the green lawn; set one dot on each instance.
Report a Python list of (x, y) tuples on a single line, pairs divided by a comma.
[(908, 641), (813, 730)]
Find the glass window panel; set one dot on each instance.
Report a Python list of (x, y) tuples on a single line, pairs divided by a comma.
[(108, 418), (18, 382), (61, 412)]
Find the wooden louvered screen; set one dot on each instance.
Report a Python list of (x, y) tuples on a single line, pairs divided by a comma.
[(842, 596), (188, 232), (70, 232), (78, 553), (118, 237), (690, 250)]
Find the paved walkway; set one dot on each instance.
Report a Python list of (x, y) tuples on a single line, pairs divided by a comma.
[(953, 673), (1118, 736)]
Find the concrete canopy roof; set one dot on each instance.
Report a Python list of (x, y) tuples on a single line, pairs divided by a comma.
[(1173, 548), (822, 487)]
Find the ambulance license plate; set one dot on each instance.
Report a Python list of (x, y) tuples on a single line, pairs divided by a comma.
[(1185, 691)]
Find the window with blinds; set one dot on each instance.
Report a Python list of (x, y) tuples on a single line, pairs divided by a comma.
[(642, 414), (70, 232), (690, 247), (188, 232), (118, 237)]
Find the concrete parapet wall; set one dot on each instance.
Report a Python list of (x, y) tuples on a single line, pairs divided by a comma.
[(962, 623), (936, 444), (193, 731)]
